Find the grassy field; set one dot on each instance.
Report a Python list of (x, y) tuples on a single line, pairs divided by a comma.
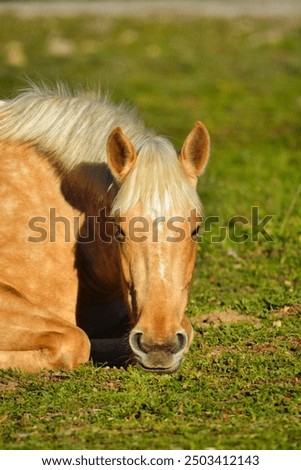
[(239, 387)]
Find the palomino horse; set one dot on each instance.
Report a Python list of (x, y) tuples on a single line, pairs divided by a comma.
[(98, 224)]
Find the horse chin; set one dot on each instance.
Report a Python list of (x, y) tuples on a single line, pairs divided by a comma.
[(152, 364)]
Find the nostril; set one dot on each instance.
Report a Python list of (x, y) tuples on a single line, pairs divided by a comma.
[(182, 340), (136, 342)]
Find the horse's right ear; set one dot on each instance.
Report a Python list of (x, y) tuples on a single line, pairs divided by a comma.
[(120, 153)]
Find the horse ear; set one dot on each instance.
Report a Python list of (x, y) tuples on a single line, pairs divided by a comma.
[(195, 151), (121, 154)]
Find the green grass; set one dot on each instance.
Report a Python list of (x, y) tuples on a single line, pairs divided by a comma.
[(240, 384)]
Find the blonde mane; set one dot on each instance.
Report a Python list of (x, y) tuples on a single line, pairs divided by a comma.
[(73, 129)]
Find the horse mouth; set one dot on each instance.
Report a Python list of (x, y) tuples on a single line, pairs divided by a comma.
[(159, 369)]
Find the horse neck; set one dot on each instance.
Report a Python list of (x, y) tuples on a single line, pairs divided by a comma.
[(90, 188), (97, 258)]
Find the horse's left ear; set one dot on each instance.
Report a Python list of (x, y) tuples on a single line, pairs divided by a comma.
[(121, 154), (195, 151)]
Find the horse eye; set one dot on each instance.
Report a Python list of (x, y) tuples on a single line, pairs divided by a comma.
[(119, 233), (195, 232)]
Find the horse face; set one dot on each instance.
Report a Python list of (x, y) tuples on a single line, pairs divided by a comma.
[(157, 267), (157, 255)]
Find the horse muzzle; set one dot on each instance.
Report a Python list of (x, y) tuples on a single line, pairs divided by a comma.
[(163, 357)]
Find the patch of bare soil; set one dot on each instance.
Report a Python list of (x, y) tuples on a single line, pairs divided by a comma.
[(10, 386), (218, 318), (288, 310)]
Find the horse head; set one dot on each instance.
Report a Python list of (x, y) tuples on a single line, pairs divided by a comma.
[(157, 215)]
